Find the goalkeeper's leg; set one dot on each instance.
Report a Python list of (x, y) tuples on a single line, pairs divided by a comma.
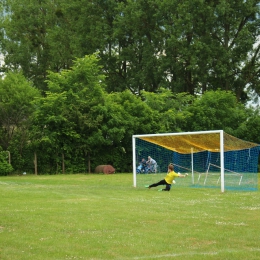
[(162, 182), (168, 187)]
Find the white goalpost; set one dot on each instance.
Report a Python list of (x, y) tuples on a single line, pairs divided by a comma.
[(184, 141)]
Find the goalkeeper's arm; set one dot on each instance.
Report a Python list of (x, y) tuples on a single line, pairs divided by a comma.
[(182, 175)]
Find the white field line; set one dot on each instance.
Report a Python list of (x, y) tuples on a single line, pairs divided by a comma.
[(192, 254), (5, 183)]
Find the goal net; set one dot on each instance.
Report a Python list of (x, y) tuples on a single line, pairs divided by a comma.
[(211, 158)]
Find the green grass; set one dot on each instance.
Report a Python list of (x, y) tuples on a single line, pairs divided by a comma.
[(240, 182), (104, 217)]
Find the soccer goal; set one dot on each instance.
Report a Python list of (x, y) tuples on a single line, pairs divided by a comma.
[(212, 159)]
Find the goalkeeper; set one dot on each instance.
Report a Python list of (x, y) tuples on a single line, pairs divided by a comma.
[(171, 175)]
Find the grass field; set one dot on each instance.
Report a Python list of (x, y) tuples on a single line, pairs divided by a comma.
[(103, 217)]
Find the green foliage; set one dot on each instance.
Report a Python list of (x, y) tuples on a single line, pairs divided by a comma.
[(16, 95), (78, 122), (249, 129), (5, 167), (216, 110), (77, 118), (186, 46), (89, 112), (68, 118), (28, 43), (169, 109), (126, 115)]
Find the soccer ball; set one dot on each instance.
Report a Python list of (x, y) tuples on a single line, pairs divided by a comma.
[(173, 182)]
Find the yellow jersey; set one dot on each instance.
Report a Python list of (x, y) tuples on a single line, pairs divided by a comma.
[(171, 176)]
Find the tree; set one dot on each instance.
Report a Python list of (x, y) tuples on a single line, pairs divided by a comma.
[(187, 46), (32, 34), (216, 110), (138, 37), (78, 118), (16, 95), (126, 115), (68, 118), (169, 109), (5, 167), (249, 129), (211, 45)]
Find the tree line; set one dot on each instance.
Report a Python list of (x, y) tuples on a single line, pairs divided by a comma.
[(80, 78), (186, 46), (78, 125)]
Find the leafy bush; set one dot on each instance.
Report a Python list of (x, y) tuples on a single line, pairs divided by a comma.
[(5, 167)]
